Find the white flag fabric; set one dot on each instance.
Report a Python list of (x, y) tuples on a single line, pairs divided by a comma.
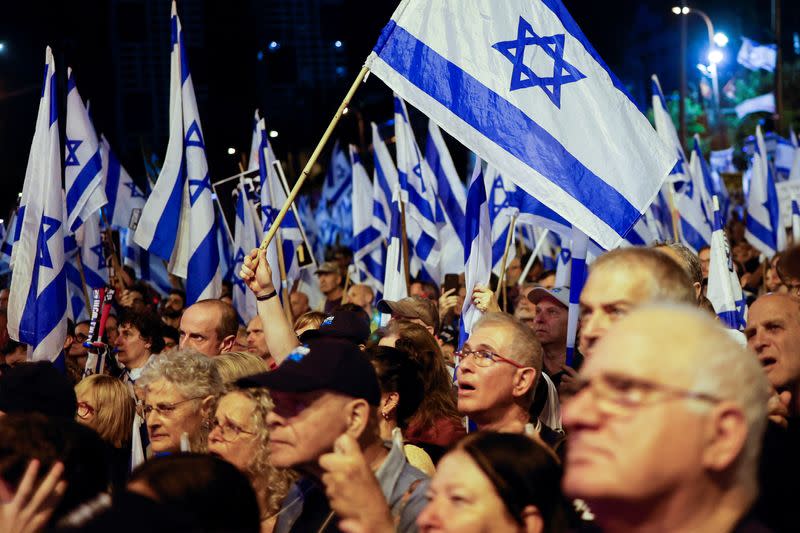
[(759, 104), (502, 207), (478, 253), (187, 234), (37, 303), (93, 258), (724, 290), (247, 235), (526, 91), (366, 238), (255, 142), (385, 182), (83, 166), (394, 283), (753, 55), (796, 221), (763, 225), (125, 198)]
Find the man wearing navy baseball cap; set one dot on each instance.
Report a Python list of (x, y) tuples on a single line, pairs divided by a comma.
[(325, 390)]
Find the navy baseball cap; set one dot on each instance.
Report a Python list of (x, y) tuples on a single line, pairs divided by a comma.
[(343, 323), (324, 363)]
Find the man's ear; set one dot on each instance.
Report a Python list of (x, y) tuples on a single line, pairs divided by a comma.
[(227, 343), (726, 437), (358, 414), (206, 406), (534, 523), (524, 379), (389, 403)]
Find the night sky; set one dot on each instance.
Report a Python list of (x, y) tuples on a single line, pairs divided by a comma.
[(234, 82)]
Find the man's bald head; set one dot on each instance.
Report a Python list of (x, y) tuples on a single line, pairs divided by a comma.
[(623, 279), (209, 326)]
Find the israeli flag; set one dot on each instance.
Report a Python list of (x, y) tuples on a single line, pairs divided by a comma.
[(502, 209), (37, 304), (385, 180), (577, 278), (794, 172), (753, 55), (695, 224), (451, 199), (83, 165), (225, 247), (542, 120), (125, 199), (763, 225), (247, 235), (147, 267), (273, 197), (333, 215), (9, 238), (724, 290), (394, 283), (93, 258), (367, 239), (194, 255), (418, 195), (478, 254)]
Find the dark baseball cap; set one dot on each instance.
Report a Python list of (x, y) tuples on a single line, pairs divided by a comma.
[(323, 363), (413, 307), (37, 387), (344, 324)]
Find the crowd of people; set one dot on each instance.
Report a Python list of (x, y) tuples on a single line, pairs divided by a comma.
[(333, 419)]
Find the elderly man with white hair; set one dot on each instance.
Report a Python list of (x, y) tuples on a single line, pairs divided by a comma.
[(665, 431)]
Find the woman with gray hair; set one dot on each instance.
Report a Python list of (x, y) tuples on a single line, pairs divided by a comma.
[(180, 390)]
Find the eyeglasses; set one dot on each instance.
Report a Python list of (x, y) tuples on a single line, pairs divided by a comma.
[(617, 394), (483, 358), (85, 410), (228, 430), (162, 409)]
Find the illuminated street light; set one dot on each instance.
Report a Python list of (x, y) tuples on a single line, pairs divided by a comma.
[(274, 45), (676, 10), (715, 56), (720, 39), (231, 150), (273, 134), (345, 110), (337, 44), (2, 47)]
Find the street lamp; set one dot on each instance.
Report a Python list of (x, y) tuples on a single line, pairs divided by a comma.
[(714, 53)]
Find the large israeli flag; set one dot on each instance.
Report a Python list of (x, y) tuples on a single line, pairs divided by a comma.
[(37, 304), (478, 254), (526, 91), (451, 200), (366, 238), (147, 267), (418, 195), (83, 166), (724, 290), (125, 198), (185, 189), (763, 225), (247, 235)]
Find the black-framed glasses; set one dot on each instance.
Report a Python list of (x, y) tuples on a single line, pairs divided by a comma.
[(85, 410), (483, 358), (163, 409), (228, 430), (618, 394)]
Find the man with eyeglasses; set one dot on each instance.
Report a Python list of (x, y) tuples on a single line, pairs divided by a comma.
[(666, 443), (498, 368)]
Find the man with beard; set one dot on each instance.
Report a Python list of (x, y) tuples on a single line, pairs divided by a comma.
[(172, 308)]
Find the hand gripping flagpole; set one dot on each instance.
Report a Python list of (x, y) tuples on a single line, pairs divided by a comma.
[(501, 283), (313, 159)]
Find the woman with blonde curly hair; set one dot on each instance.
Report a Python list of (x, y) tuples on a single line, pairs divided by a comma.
[(240, 436)]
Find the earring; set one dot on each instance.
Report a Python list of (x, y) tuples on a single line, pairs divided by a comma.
[(385, 415)]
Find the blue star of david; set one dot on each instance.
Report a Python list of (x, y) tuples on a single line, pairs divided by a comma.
[(194, 136), (269, 215), (239, 256), (523, 76), (72, 156), (47, 229), (200, 185), (101, 257), (678, 168), (565, 255), (239, 282), (135, 193), (497, 189)]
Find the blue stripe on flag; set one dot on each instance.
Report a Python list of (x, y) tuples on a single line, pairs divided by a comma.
[(365, 238), (82, 181), (203, 265), (507, 126), (112, 184), (43, 313), (166, 231), (424, 246), (761, 232)]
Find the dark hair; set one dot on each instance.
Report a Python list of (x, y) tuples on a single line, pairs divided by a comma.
[(353, 308), (544, 274), (37, 387), (523, 472), (209, 488), (28, 436), (170, 332), (439, 401), (429, 289), (180, 293), (397, 372), (149, 326)]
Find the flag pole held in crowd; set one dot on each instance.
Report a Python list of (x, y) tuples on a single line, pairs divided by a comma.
[(501, 283), (79, 261), (404, 243), (313, 159), (284, 288), (580, 243), (533, 256)]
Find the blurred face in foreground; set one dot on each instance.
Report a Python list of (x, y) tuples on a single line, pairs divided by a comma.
[(461, 498)]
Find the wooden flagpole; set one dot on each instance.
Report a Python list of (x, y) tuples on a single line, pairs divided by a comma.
[(501, 284), (284, 288), (314, 156), (404, 244), (83, 281), (532, 258)]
